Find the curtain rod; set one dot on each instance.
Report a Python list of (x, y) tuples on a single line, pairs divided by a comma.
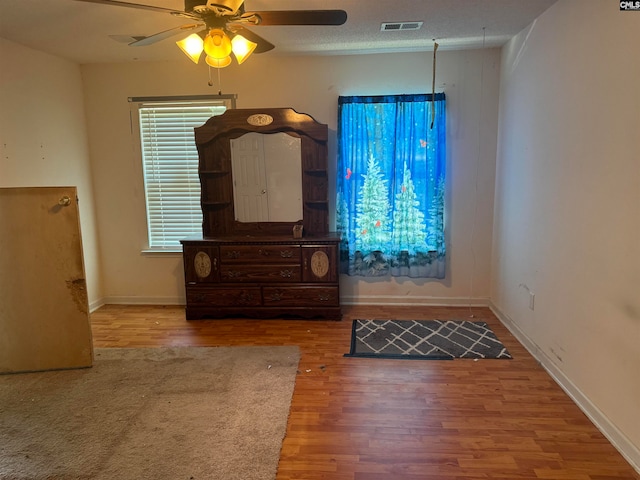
[(183, 98)]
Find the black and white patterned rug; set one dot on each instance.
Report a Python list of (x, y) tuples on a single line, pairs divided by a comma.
[(424, 339)]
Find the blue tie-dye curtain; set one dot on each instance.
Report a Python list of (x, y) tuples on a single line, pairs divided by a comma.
[(390, 185)]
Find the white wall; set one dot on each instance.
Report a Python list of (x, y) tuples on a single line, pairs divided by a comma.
[(309, 84), (567, 213), (43, 137)]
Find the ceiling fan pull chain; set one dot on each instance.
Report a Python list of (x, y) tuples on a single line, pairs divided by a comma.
[(219, 82)]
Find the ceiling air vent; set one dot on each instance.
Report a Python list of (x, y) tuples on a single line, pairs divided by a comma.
[(399, 26)]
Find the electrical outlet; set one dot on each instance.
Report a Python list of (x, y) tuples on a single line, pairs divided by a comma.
[(532, 299)]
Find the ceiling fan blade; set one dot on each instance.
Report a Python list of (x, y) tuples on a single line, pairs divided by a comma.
[(151, 39), (301, 17), (263, 45), (133, 5), (126, 38), (140, 6)]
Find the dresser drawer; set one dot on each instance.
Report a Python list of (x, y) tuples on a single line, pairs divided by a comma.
[(303, 296), (224, 297), (260, 254), (260, 273)]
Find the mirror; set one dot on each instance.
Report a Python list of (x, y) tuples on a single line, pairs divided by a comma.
[(267, 178)]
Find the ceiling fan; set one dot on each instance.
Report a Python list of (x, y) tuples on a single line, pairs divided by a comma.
[(219, 29)]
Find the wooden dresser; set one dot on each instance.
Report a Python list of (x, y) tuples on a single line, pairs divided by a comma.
[(262, 269), (262, 277)]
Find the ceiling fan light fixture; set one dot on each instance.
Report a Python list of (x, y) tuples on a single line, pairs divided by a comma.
[(218, 62), (242, 48), (192, 46), (217, 44)]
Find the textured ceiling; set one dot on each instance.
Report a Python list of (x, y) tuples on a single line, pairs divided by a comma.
[(81, 31)]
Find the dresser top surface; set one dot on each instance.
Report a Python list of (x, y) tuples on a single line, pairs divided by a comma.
[(331, 237)]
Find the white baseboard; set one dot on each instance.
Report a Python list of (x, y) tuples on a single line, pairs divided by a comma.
[(138, 301), (619, 440), (413, 300), (93, 306), (394, 300)]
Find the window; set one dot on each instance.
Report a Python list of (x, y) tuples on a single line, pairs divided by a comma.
[(390, 185), (170, 164)]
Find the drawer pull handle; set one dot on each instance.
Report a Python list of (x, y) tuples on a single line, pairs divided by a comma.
[(276, 297), (286, 273), (245, 298), (286, 253), (324, 298), (233, 274), (233, 254), (264, 253)]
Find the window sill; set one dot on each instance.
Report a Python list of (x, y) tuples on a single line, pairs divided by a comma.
[(162, 252)]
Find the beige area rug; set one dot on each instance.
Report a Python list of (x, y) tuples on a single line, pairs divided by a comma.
[(187, 413)]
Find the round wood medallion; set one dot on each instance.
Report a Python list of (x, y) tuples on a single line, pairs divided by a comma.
[(202, 264), (319, 264)]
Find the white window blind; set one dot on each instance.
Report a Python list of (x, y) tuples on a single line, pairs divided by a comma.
[(170, 167)]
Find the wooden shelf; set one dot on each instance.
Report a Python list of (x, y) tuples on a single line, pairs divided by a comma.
[(316, 172), (216, 204)]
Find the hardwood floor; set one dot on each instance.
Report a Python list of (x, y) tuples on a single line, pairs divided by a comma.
[(366, 419)]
